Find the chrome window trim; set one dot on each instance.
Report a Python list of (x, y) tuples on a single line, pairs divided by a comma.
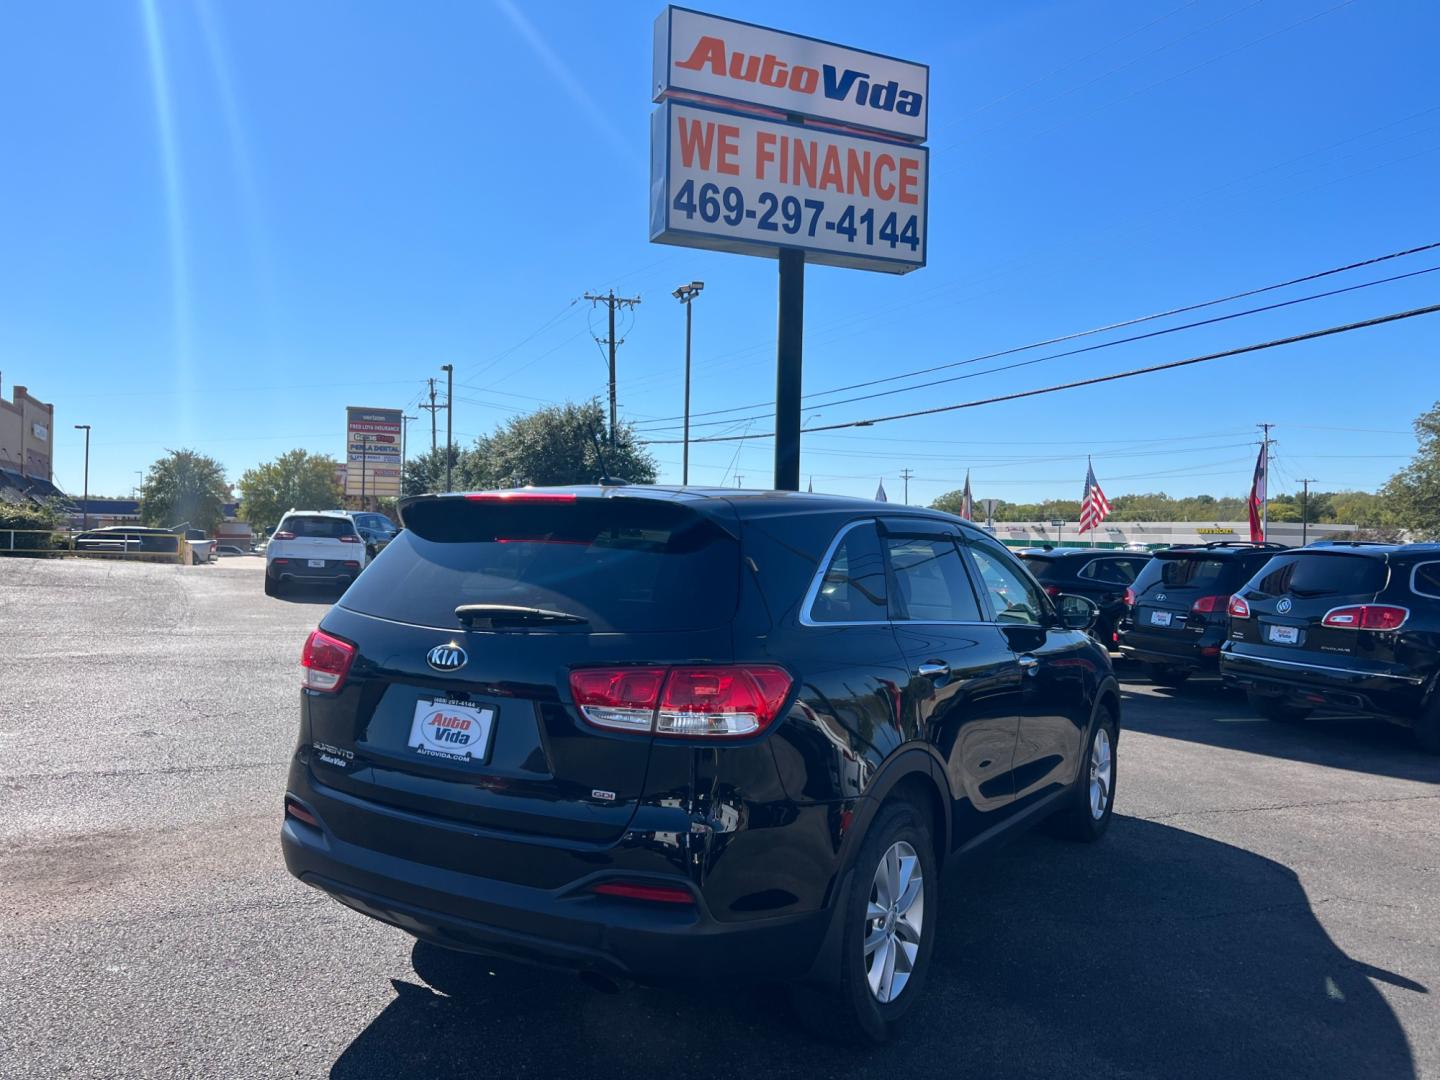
[(813, 592), (1414, 570), (1246, 657)]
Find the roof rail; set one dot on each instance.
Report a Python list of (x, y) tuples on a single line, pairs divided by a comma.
[(1257, 544)]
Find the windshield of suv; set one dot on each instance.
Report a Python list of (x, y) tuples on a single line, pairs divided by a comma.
[(623, 565)]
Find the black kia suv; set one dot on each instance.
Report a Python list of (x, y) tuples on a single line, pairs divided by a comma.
[(1346, 626), (1175, 621), (654, 733), (1098, 574)]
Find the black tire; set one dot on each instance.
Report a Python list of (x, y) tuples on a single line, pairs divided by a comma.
[(272, 586), (1276, 709), (1165, 675), (1076, 820), (851, 1012)]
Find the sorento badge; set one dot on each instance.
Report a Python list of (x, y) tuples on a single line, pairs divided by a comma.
[(447, 657)]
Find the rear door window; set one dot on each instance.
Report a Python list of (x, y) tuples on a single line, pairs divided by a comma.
[(623, 565), (1111, 571), (852, 588), (1426, 579), (930, 581)]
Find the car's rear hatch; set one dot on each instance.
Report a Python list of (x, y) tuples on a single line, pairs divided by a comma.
[(1290, 598), (618, 581), (1179, 589)]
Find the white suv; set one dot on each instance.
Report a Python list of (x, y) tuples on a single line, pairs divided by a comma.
[(314, 547)]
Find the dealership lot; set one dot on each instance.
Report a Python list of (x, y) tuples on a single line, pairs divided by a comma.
[(1267, 902)]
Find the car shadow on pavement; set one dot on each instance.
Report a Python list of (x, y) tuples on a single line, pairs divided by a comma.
[(1203, 711), (309, 594), (1157, 953)]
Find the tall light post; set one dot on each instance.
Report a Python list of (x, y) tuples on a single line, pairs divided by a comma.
[(685, 294), (85, 505)]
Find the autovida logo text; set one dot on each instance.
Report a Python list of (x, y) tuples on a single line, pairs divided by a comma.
[(769, 70), (446, 658)]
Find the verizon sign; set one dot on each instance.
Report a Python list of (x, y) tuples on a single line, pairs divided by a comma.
[(704, 58), (740, 183)]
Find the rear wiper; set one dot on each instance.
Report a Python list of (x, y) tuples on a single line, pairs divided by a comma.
[(513, 615)]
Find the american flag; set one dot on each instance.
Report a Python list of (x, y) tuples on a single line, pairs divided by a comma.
[(967, 503), (1094, 507), (1258, 496)]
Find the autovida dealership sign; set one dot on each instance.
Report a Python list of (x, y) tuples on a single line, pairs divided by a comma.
[(372, 451), (765, 140)]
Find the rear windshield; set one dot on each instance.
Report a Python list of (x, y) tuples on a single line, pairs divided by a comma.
[(627, 566), (323, 527), (1184, 572), (1322, 575)]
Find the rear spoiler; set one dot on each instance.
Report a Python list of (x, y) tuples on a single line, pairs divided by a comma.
[(484, 515)]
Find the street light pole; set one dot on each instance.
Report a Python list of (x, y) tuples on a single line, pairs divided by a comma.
[(85, 505), (685, 294), (1305, 512)]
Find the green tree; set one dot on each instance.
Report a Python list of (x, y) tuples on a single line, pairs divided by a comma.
[(1415, 490), (426, 472), (297, 478), (184, 486), (557, 446)]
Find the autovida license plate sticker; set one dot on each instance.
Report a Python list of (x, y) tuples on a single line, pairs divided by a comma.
[(449, 730)]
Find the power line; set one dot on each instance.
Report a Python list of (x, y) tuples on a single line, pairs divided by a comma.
[(1095, 330), (1310, 335), (1109, 344)]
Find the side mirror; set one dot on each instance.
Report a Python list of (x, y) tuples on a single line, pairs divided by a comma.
[(1076, 612)]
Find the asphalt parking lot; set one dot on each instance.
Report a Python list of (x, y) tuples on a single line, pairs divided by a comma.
[(1266, 904)]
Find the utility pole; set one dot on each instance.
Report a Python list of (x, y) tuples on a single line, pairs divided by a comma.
[(449, 370), (611, 302), (905, 475), (789, 349), (404, 439), (85, 508), (686, 293), (1265, 506), (1305, 511), (431, 407), (739, 481)]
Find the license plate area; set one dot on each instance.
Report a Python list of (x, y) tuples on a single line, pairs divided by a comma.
[(317, 563), (444, 729), (1283, 635), (1160, 618)]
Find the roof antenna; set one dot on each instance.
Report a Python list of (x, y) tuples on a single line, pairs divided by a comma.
[(606, 480)]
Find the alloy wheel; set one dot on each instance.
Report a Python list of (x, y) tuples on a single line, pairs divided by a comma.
[(1102, 773), (894, 919)]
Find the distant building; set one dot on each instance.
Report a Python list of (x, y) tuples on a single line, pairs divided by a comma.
[(26, 435)]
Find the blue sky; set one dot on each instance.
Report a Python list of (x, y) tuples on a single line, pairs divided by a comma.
[(224, 222)]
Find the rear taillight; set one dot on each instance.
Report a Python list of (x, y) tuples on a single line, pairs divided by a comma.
[(710, 701), (622, 699), (325, 661), (1208, 605), (351, 564), (350, 538), (644, 890), (1366, 617), (299, 813), (1238, 608), (1129, 596), (283, 536), (278, 562)]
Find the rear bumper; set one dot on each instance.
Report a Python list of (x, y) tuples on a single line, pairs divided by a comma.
[(1195, 653), (312, 574), (565, 926), (1317, 684)]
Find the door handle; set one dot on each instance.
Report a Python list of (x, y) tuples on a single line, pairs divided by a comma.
[(933, 669), (1028, 663)]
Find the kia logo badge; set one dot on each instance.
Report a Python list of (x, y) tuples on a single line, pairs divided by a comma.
[(1284, 605), (449, 657)]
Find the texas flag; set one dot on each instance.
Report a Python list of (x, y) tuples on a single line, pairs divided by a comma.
[(1257, 498)]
